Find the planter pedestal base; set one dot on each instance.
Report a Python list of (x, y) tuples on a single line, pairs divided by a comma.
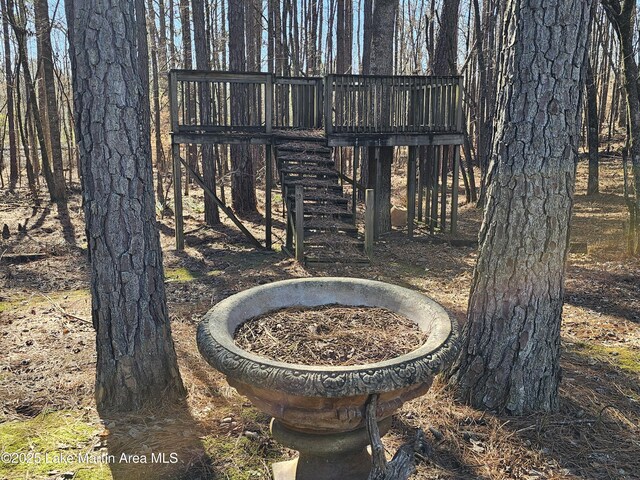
[(325, 456)]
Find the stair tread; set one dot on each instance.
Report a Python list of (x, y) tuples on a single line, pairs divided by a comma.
[(303, 147), (310, 170), (337, 257), (322, 210), (321, 196), (324, 239), (329, 224), (312, 182), (306, 158)]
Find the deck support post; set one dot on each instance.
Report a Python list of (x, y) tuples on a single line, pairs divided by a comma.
[(268, 104), (177, 196), (299, 223), (454, 189), (267, 194), (456, 160), (376, 197), (435, 179), (354, 192), (369, 224), (411, 190)]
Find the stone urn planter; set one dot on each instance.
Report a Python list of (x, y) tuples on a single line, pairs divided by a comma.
[(319, 410)]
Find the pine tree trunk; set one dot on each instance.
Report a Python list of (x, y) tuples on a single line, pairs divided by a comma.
[(243, 190), (203, 54), (622, 16), (18, 23), (593, 131), (446, 51), (13, 146), (136, 363), (159, 153), (381, 63), (185, 23), (511, 340), (52, 128)]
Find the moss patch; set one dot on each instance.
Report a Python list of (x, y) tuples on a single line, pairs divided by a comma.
[(48, 442), (624, 358), (180, 275), (239, 457), (27, 302)]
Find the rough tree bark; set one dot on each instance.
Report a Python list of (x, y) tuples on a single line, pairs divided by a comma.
[(52, 123), (136, 363), (203, 55), (13, 146), (443, 61), (243, 190), (381, 63), (622, 17), (155, 76), (511, 341), (592, 131), (185, 24), (18, 21)]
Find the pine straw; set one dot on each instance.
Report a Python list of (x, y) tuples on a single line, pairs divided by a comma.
[(330, 335)]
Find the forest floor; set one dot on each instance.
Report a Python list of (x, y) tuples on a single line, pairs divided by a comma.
[(47, 354)]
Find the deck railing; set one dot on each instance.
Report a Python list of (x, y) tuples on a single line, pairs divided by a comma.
[(298, 102), (391, 104), (243, 103), (211, 101)]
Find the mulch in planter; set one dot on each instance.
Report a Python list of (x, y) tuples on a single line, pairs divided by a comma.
[(330, 335)]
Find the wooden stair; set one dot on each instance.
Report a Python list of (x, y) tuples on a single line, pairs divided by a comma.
[(330, 233)]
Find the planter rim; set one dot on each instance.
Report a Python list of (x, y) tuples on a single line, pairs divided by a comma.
[(216, 344)]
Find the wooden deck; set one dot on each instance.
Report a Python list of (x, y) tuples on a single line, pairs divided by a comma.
[(345, 111)]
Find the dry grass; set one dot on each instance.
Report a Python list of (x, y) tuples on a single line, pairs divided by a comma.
[(47, 358)]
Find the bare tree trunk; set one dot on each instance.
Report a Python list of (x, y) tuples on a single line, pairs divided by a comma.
[(159, 152), (622, 17), (52, 129), (185, 22), (592, 131), (243, 190), (381, 63), (55, 182), (136, 363), (511, 340), (31, 177), (13, 147), (203, 54), (446, 51)]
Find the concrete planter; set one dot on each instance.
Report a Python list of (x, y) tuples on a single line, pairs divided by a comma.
[(319, 410)]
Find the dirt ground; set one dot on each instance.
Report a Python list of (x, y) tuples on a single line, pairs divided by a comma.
[(47, 353)]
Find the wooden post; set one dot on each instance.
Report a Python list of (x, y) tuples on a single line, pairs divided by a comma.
[(456, 161), (173, 101), (328, 101), (459, 106), (177, 196), (446, 149), (434, 188), (299, 223), (411, 190), (378, 188), (319, 102), (354, 193), (454, 190), (268, 105), (369, 224), (267, 202)]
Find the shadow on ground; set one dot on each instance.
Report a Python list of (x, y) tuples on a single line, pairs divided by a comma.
[(158, 444)]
